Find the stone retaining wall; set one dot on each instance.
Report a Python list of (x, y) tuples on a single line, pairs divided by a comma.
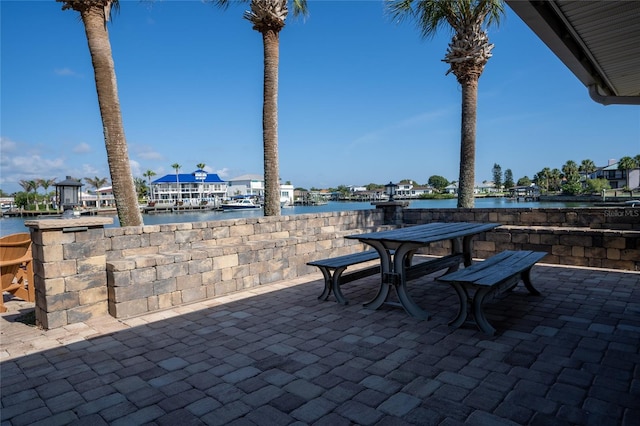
[(83, 270), (596, 237), (160, 266)]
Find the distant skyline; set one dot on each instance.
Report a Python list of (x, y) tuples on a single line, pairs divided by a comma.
[(361, 99)]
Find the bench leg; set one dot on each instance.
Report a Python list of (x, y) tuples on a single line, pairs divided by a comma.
[(463, 308), (332, 283), (327, 284), (335, 286), (526, 279), (478, 312), (478, 301)]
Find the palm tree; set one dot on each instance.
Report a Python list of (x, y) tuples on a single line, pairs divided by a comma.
[(555, 179), (268, 18), (200, 166), (28, 186), (149, 174), (626, 164), (141, 187), (95, 14), (544, 175), (467, 54), (45, 184), (177, 168), (96, 183), (587, 166), (570, 171), (35, 184)]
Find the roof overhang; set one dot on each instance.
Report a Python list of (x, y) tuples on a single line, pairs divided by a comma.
[(599, 41)]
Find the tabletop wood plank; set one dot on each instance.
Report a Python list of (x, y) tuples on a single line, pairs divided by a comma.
[(427, 233)]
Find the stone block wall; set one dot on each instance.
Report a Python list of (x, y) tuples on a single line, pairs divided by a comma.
[(161, 266), (619, 218), (83, 270), (69, 261), (607, 237)]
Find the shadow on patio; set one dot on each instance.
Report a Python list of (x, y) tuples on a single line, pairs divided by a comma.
[(277, 356)]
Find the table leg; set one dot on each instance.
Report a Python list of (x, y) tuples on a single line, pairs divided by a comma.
[(401, 283), (385, 271), (466, 250)]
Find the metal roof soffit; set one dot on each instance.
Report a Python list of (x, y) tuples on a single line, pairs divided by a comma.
[(611, 100)]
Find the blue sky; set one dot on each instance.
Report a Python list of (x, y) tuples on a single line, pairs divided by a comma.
[(361, 99)]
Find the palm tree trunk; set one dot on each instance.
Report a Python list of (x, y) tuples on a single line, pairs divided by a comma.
[(117, 153), (271, 43), (468, 142)]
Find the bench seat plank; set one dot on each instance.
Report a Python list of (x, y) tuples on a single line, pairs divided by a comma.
[(346, 260), (493, 276)]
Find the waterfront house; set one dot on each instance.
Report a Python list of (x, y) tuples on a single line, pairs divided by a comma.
[(618, 178), (409, 190), (253, 186), (101, 198), (188, 188)]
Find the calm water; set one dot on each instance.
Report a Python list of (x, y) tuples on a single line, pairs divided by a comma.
[(13, 225)]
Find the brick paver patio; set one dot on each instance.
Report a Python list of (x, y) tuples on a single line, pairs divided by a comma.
[(277, 356)]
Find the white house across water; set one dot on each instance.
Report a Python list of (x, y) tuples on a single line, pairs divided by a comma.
[(199, 187), (253, 186), (188, 188)]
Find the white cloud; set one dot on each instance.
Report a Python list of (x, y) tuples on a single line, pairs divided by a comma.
[(82, 148), (222, 173), (136, 170), (89, 170), (7, 145), (388, 133), (66, 72), (17, 168), (146, 152)]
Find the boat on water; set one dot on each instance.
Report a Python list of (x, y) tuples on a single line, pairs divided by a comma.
[(240, 204), (285, 202)]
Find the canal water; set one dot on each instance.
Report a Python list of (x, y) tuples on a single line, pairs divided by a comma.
[(12, 225)]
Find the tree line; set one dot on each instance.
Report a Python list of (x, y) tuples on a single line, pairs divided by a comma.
[(570, 179)]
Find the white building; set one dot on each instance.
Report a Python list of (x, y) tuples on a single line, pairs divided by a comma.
[(102, 198), (188, 188), (618, 178), (409, 190), (253, 186)]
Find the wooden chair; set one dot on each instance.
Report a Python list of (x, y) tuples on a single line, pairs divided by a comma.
[(16, 264)]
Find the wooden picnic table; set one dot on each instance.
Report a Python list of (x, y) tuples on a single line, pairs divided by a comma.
[(397, 246)]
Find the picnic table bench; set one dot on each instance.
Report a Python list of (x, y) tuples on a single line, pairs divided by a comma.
[(333, 269), (495, 275), (397, 246)]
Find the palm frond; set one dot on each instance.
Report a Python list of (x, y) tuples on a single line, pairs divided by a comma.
[(431, 16), (300, 8), (399, 10)]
